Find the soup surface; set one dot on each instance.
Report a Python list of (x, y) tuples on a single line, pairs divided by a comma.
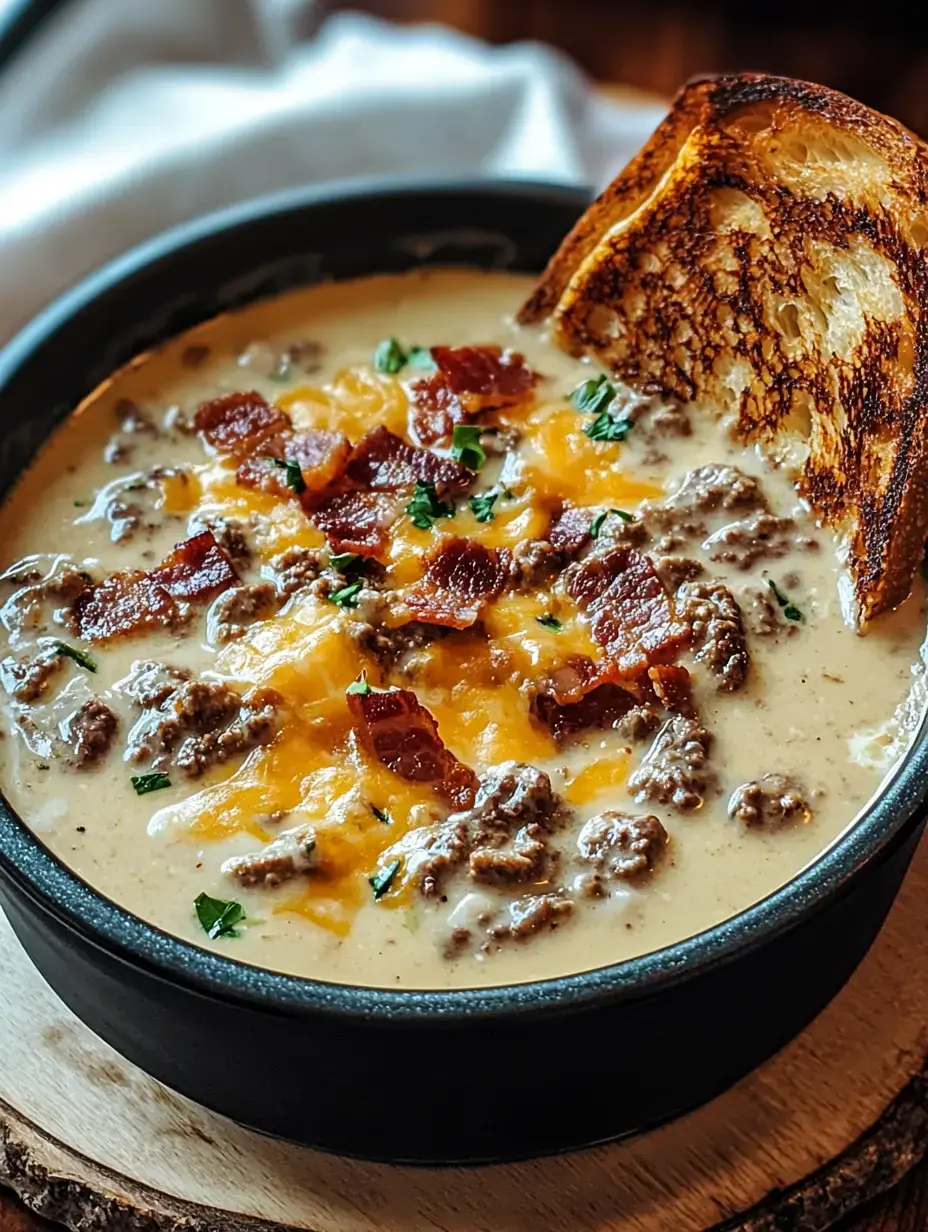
[(469, 668)]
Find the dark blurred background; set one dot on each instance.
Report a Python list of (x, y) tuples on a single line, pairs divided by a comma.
[(876, 52)]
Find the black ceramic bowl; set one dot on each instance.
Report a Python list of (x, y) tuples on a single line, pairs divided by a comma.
[(463, 1075)]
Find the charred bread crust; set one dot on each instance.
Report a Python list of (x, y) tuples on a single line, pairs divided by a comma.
[(767, 252)]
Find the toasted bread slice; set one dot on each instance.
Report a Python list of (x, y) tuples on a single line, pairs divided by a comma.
[(766, 256)]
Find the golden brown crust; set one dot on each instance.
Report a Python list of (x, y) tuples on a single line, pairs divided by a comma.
[(767, 252)]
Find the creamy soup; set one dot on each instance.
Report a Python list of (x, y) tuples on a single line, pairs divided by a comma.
[(366, 636)]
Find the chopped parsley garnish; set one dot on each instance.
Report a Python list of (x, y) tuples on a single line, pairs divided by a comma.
[(421, 357), (389, 357), (482, 506), (381, 882), (348, 562), (80, 504), (144, 783), (347, 596), (381, 814), (509, 494), (425, 506), (549, 622), (294, 476), (466, 447), (593, 395), (360, 686), (608, 427), (597, 524), (80, 658), (790, 610), (218, 917)]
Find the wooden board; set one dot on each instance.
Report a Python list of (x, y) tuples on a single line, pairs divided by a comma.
[(87, 1138)]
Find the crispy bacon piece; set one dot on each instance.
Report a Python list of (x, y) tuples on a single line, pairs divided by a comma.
[(125, 604), (238, 423), (673, 688), (398, 730), (630, 613), (198, 568), (459, 579), (135, 602), (321, 456), (382, 461), (570, 530), (575, 677), (602, 707), (358, 521), (436, 409), (468, 380)]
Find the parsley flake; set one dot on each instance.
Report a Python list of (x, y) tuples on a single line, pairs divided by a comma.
[(347, 596), (550, 622), (466, 447), (348, 562), (425, 506), (144, 783), (389, 357), (294, 476), (80, 504), (790, 610), (218, 917), (482, 506), (381, 882), (421, 357), (593, 395), (381, 815), (360, 686), (80, 658), (607, 427), (597, 524)]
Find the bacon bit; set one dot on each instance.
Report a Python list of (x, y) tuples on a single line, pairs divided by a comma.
[(397, 729), (198, 568), (358, 521), (321, 456), (570, 530), (631, 616), (238, 423), (672, 687), (485, 377), (436, 409), (602, 708), (382, 461), (574, 678), (469, 380), (124, 604), (459, 579), (134, 602)]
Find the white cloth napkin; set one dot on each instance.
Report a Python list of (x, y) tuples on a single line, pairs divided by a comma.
[(124, 117)]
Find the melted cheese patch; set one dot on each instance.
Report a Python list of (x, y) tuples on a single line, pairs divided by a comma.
[(561, 462)]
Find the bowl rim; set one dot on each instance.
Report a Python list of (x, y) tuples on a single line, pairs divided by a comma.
[(33, 870)]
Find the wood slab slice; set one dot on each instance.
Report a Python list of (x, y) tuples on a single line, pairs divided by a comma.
[(91, 1141)]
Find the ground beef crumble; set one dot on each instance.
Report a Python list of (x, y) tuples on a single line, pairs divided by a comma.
[(296, 568), (230, 533), (529, 915), (90, 732), (286, 857), (769, 803), (760, 536), (235, 609), (200, 724), (676, 768), (25, 680), (618, 846), (534, 563), (717, 631), (525, 858)]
